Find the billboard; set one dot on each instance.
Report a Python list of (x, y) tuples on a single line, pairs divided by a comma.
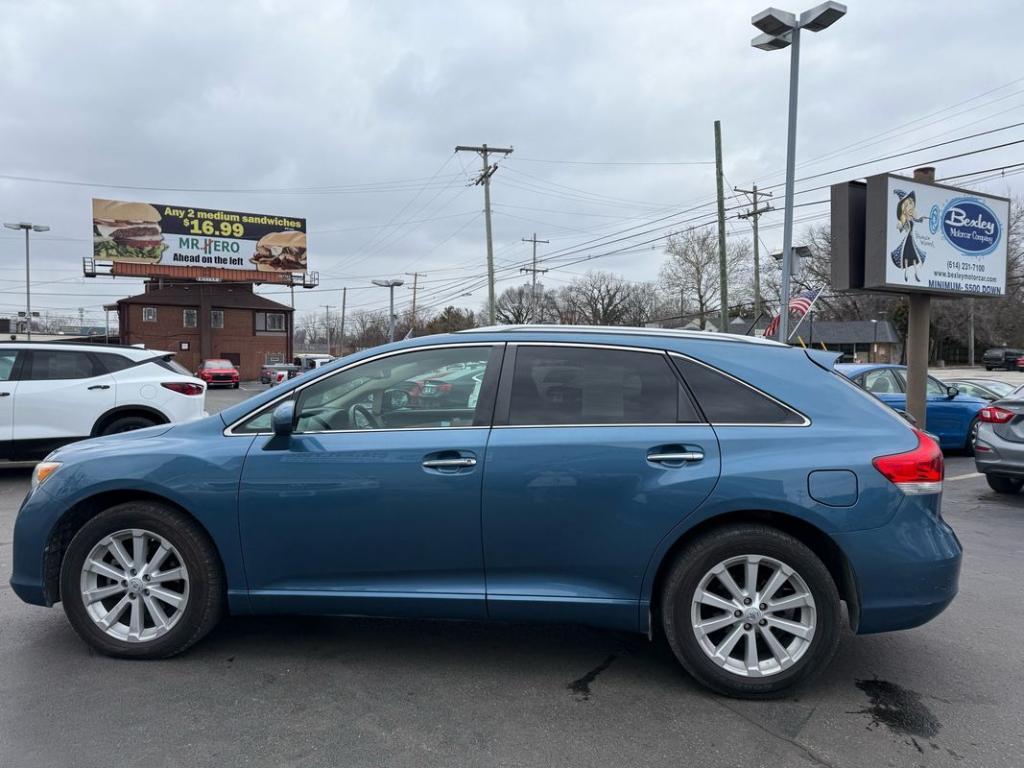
[(923, 237), (172, 235)]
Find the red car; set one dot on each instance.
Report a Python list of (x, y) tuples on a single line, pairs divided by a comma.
[(218, 373)]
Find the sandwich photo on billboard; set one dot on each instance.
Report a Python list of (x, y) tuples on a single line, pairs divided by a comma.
[(126, 232), (281, 252)]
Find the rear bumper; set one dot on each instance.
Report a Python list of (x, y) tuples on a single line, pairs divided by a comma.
[(907, 571), (995, 456)]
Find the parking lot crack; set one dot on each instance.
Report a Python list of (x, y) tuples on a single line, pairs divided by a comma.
[(812, 756)]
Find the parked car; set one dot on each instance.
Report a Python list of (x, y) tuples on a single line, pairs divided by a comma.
[(53, 394), (726, 491), (999, 452), (218, 373), (985, 389), (269, 372), (952, 416), (309, 361), (1001, 357)]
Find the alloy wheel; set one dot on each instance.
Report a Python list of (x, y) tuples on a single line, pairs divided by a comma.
[(134, 585), (753, 616)]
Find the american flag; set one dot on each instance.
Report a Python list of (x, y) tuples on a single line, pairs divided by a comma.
[(801, 304)]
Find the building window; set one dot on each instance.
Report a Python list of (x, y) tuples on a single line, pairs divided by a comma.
[(190, 317), (216, 318), (149, 314), (275, 321)]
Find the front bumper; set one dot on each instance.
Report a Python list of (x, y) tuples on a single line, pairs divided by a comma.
[(906, 571)]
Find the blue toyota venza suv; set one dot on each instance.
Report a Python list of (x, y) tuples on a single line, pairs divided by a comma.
[(729, 492)]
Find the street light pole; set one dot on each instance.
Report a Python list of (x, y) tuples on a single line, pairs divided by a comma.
[(28, 227), (390, 285), (779, 30), (874, 345)]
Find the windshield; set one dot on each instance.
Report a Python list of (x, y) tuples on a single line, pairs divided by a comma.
[(217, 365)]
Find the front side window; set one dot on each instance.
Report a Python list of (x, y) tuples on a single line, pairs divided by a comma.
[(932, 386), (190, 318), (149, 314), (577, 385), (425, 389), (726, 400), (47, 365)]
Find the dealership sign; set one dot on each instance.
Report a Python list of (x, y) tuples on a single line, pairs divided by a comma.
[(170, 235), (897, 234)]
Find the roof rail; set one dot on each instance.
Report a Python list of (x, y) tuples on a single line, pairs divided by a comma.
[(677, 333)]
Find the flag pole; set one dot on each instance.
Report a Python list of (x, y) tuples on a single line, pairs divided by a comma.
[(810, 307)]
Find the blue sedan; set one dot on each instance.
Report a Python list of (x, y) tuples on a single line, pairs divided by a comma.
[(732, 494), (952, 416)]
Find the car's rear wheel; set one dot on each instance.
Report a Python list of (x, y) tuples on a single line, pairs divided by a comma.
[(1001, 484), (141, 580), (127, 424), (972, 436), (750, 611)]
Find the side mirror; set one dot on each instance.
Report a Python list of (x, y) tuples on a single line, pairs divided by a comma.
[(283, 419), (395, 400), (952, 392)]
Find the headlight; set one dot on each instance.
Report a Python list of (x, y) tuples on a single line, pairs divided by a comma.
[(42, 471)]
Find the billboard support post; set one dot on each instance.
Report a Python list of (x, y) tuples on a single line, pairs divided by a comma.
[(917, 338)]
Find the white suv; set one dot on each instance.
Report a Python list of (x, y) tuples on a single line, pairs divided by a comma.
[(56, 393)]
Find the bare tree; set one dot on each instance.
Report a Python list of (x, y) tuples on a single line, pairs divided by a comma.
[(525, 304), (692, 271), (598, 298)]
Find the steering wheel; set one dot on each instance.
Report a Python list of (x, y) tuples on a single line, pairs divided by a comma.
[(321, 422), (372, 422)]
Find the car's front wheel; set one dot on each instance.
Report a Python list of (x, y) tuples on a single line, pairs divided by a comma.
[(1001, 484), (141, 580), (750, 611)]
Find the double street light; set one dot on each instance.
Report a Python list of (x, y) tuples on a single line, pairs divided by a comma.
[(390, 284), (28, 227), (781, 29)]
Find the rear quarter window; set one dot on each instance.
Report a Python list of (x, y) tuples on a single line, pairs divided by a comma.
[(726, 400)]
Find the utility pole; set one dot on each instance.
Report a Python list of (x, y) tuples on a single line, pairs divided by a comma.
[(485, 179), (533, 269), (754, 214), (723, 272), (327, 325), (415, 291), (341, 343)]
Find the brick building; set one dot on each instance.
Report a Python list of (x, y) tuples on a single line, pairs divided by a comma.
[(198, 321)]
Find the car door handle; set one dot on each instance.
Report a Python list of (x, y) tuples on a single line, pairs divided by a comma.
[(5, 394), (458, 463), (100, 386), (676, 456)]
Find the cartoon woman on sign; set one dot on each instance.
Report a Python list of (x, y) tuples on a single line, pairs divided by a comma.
[(907, 255)]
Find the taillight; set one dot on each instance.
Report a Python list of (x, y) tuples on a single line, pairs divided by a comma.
[(993, 414), (183, 387), (915, 472)]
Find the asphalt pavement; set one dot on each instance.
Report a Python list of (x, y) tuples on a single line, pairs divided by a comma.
[(313, 691)]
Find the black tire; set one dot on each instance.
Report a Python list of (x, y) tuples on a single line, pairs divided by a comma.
[(235, 385), (127, 424), (698, 558), (972, 436), (206, 590), (988, 367), (1000, 484)]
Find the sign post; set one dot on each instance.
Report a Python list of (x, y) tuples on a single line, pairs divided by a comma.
[(918, 324)]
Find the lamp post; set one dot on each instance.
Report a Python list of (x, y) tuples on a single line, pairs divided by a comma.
[(390, 285), (874, 344), (28, 227), (779, 30)]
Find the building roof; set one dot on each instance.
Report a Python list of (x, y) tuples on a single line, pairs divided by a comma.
[(847, 332), (221, 297)]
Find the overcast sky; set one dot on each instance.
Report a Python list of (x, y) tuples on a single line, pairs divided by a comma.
[(367, 101)]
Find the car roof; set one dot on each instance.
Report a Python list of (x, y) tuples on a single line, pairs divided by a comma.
[(135, 353), (855, 369), (617, 330)]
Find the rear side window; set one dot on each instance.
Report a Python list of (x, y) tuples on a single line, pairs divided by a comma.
[(725, 400), (171, 365), (7, 358), (46, 365), (114, 363), (576, 385)]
